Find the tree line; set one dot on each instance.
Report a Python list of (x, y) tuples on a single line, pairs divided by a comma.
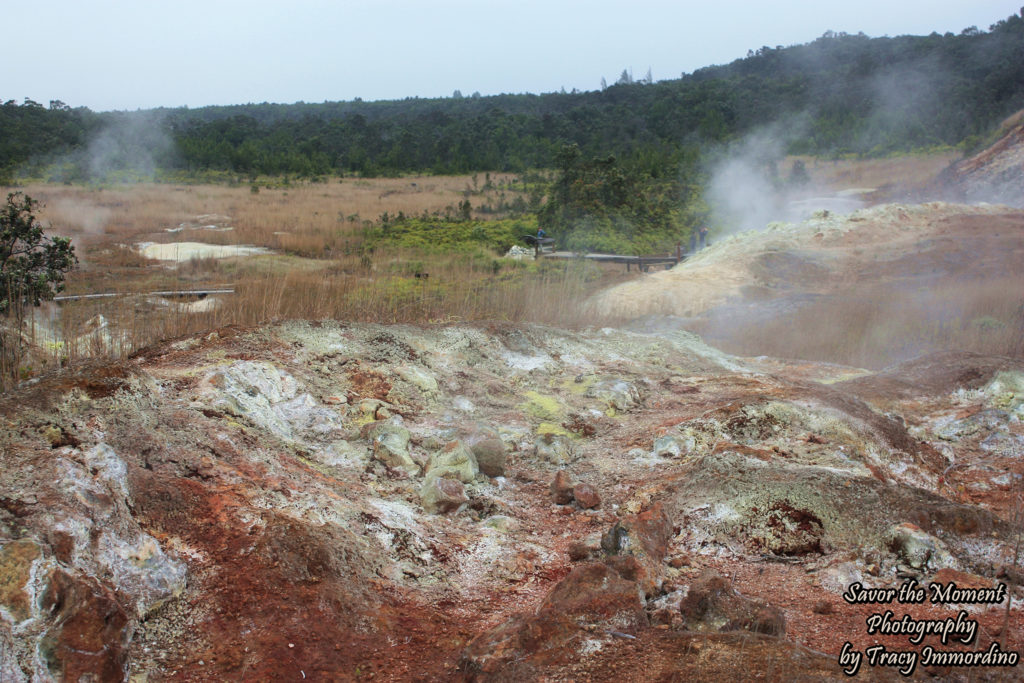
[(840, 94)]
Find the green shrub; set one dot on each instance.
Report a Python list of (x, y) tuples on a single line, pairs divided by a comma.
[(437, 235)]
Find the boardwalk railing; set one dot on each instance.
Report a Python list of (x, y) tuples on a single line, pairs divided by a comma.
[(544, 246), (199, 293)]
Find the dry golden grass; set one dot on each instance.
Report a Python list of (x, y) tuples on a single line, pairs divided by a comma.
[(314, 210), (457, 289), (318, 269), (844, 174), (324, 274), (314, 220)]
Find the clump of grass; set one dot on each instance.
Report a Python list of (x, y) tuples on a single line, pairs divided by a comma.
[(434, 234)]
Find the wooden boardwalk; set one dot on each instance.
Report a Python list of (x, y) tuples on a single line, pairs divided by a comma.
[(643, 263), (544, 246), (198, 293)]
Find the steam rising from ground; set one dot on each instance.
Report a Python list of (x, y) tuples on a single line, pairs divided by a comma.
[(751, 186), (902, 98), (134, 142), (881, 285), (743, 192), (124, 147), (75, 215), (77, 219)]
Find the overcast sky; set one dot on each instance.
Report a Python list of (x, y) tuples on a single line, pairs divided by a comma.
[(132, 54)]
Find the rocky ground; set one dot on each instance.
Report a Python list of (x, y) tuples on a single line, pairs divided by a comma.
[(995, 174), (345, 502)]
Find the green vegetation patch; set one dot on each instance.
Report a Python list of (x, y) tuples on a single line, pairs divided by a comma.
[(436, 235)]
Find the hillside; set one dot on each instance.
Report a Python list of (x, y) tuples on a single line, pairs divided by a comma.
[(873, 287), (838, 94), (996, 174)]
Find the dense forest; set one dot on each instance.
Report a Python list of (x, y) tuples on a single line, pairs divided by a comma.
[(839, 94)]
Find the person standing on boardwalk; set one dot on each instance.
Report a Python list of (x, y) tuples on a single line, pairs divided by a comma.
[(703, 236)]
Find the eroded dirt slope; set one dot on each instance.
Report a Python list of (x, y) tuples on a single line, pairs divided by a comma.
[(996, 174), (829, 254), (874, 287), (347, 502)]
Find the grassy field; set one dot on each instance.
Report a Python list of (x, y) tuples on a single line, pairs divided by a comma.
[(332, 255), (328, 258), (314, 217), (844, 174)]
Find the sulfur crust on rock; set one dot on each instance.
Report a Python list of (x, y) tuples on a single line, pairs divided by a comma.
[(726, 464)]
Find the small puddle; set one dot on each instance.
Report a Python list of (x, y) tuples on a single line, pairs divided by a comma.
[(185, 251)]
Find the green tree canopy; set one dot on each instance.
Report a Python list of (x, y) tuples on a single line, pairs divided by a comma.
[(843, 94), (32, 264), (602, 205)]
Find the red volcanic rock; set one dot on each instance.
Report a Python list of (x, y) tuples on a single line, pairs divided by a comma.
[(767, 620), (578, 551), (645, 537), (705, 594), (586, 496), (711, 604), (597, 594), (822, 607), (679, 561), (562, 487), (91, 637), (592, 597)]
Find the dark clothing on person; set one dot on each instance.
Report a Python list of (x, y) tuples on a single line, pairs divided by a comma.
[(703, 236)]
